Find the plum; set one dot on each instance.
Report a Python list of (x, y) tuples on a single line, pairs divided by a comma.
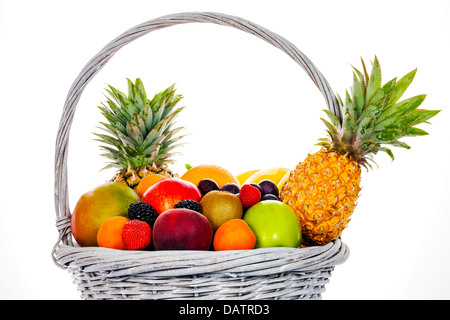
[(269, 196), (269, 187), (231, 187), (207, 185)]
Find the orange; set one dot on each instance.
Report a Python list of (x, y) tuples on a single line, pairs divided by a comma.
[(235, 234), (147, 182), (110, 233), (208, 171)]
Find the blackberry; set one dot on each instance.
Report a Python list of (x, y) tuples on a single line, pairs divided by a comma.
[(189, 204), (142, 211)]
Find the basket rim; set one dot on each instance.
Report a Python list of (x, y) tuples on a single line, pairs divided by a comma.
[(164, 263)]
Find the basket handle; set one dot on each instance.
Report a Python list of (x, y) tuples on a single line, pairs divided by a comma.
[(101, 58)]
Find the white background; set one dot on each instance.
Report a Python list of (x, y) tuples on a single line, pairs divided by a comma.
[(248, 106)]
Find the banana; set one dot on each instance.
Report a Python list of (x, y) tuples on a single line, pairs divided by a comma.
[(245, 175), (273, 174), (283, 181)]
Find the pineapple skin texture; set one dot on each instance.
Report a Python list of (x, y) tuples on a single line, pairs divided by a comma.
[(323, 190), (132, 177)]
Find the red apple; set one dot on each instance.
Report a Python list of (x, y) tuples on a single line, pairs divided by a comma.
[(166, 193), (182, 229)]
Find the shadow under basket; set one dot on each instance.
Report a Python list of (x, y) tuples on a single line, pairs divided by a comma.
[(266, 273)]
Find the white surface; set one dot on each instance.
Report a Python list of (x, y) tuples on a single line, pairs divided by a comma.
[(248, 106)]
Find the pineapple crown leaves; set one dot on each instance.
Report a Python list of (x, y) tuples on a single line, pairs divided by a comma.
[(139, 131), (373, 117)]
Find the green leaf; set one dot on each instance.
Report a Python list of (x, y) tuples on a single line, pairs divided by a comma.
[(366, 75), (108, 128), (157, 116), (341, 103), (139, 122), (125, 104), (152, 135), (387, 135), (365, 127), (402, 108), (112, 119), (171, 104), (341, 108), (398, 123), (330, 127), (134, 95), (401, 87), (169, 136), (167, 94), (334, 120), (111, 165), (152, 148), (347, 138), (423, 115), (109, 140), (118, 112), (414, 132), (374, 109), (388, 151), (112, 151), (173, 146), (322, 144), (361, 78), (147, 115), (349, 122), (159, 128), (128, 141), (400, 144), (135, 133), (366, 144), (374, 81), (131, 91), (349, 107), (188, 166), (385, 92), (140, 86), (358, 94)]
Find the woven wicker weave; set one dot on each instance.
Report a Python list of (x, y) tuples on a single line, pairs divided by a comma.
[(269, 273)]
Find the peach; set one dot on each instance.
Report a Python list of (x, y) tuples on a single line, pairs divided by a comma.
[(182, 229)]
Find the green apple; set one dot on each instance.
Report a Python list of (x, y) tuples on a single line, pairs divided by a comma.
[(275, 224)]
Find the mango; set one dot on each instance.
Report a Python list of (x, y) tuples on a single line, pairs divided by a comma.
[(98, 205)]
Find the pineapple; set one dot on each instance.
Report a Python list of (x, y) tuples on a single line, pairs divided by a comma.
[(140, 135), (323, 189)]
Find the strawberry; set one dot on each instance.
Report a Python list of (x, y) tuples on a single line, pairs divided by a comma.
[(136, 235), (249, 195)]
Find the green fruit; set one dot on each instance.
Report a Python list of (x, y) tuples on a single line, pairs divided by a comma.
[(275, 224), (221, 206), (98, 205)]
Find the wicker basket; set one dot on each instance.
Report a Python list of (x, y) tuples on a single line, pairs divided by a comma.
[(269, 273)]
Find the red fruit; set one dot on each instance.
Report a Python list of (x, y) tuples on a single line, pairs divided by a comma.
[(182, 229), (136, 235), (166, 193), (249, 195)]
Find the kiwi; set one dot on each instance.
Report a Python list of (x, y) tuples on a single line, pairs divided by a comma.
[(221, 206)]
